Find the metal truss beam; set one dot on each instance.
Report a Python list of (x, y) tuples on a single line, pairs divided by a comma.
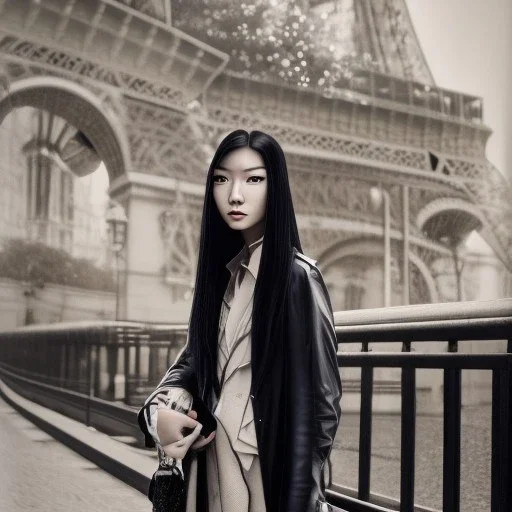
[(136, 48)]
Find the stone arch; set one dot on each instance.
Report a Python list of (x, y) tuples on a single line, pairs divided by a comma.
[(358, 246), (446, 204), (79, 107)]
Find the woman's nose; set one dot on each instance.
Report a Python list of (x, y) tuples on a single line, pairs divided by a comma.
[(236, 193)]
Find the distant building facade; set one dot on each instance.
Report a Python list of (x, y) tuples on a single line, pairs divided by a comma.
[(43, 198), (388, 171)]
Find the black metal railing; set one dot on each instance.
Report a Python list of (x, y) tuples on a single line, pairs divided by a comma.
[(123, 361), (116, 361), (97, 373), (452, 323)]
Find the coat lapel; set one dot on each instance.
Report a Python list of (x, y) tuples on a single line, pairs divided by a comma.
[(222, 330), (238, 310), (236, 314), (234, 344), (240, 354)]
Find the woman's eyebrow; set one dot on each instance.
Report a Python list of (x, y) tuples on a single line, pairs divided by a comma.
[(244, 170)]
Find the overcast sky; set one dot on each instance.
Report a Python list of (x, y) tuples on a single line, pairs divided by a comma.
[(468, 45)]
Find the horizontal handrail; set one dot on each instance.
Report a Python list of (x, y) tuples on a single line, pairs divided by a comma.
[(471, 320), (478, 320), (100, 325), (444, 311), (501, 361), (444, 330)]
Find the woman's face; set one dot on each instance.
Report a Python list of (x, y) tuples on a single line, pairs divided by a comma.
[(240, 184)]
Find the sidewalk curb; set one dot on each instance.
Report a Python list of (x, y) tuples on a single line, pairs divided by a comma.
[(128, 466)]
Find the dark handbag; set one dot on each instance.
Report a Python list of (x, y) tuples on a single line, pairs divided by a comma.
[(167, 490)]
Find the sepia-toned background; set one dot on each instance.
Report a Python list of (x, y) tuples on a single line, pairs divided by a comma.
[(395, 117)]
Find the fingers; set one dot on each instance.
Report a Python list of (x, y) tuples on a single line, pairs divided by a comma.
[(189, 422), (179, 449), (203, 441), (170, 424), (192, 414), (189, 440)]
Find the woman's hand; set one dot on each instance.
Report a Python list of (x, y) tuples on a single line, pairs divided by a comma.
[(170, 426), (179, 449)]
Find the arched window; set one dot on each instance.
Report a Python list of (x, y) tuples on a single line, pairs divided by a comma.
[(50, 209)]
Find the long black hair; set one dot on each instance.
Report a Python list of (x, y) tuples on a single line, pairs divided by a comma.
[(219, 244)]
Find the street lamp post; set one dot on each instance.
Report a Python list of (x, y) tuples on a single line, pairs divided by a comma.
[(117, 225), (379, 197)]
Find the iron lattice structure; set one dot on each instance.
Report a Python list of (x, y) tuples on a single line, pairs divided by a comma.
[(147, 84)]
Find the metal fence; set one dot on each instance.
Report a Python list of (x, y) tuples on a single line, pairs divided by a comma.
[(451, 323), (117, 361), (100, 372)]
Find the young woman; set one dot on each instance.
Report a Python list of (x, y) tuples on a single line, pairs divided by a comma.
[(261, 349)]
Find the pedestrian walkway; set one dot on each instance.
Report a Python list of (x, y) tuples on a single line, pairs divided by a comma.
[(37, 473)]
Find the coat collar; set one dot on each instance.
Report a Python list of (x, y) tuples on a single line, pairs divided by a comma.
[(252, 252), (249, 257)]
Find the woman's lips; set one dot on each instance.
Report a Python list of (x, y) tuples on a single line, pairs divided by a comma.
[(237, 216)]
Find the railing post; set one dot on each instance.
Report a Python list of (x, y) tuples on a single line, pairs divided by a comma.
[(90, 382), (137, 379), (365, 430), (96, 361), (509, 458), (500, 477), (62, 370), (501, 467), (451, 438), (127, 349), (408, 436)]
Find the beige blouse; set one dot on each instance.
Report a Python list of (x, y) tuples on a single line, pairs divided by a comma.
[(234, 355), (233, 468)]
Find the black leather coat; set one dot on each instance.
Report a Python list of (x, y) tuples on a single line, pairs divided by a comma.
[(297, 409)]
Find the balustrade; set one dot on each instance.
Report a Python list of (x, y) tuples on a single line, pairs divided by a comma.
[(104, 364)]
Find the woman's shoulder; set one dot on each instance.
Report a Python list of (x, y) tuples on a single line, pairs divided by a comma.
[(306, 274), (304, 265)]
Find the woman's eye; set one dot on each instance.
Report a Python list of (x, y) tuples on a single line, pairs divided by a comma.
[(219, 178), (255, 179)]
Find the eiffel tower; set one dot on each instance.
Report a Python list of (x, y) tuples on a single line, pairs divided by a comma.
[(388, 170), (382, 30)]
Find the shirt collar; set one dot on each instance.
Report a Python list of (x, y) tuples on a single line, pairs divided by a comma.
[(249, 257)]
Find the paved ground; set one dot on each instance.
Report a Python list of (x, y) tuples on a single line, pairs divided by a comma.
[(39, 474), (385, 473)]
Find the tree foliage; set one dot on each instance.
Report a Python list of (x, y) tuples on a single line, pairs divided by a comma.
[(39, 264), (271, 39)]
